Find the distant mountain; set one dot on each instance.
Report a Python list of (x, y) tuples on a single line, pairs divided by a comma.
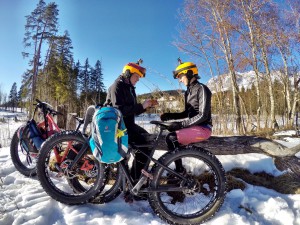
[(243, 80), (169, 92), (246, 80)]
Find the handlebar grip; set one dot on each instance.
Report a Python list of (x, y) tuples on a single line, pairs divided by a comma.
[(53, 112), (59, 113)]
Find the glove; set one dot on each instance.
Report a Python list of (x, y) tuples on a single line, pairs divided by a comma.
[(165, 116), (175, 126)]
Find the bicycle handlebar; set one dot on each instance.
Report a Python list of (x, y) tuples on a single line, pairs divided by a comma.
[(163, 125), (47, 107)]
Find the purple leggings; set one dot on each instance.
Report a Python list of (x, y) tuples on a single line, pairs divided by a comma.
[(187, 136), (193, 134)]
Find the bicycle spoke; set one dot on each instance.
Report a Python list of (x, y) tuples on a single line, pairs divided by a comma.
[(71, 186), (199, 194)]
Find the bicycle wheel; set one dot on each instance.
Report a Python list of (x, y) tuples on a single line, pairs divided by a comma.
[(24, 163), (113, 187), (199, 197), (76, 182), (87, 176)]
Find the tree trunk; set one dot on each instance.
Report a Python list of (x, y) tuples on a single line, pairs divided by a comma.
[(274, 124), (229, 59), (62, 119)]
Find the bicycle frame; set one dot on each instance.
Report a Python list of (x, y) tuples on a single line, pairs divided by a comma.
[(59, 158), (146, 175), (136, 188), (50, 126), (80, 153)]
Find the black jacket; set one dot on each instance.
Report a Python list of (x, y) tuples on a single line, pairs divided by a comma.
[(123, 96), (197, 106)]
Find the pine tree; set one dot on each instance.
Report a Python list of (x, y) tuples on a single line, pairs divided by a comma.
[(64, 67), (41, 25), (58, 78), (13, 94), (84, 83), (96, 82), (77, 71), (19, 97)]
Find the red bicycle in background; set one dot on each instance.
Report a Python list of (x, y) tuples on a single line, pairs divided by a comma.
[(28, 138)]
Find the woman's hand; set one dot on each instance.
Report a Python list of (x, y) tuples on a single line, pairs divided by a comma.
[(149, 103)]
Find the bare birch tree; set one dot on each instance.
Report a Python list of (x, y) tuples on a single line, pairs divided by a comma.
[(292, 17), (248, 11), (215, 16)]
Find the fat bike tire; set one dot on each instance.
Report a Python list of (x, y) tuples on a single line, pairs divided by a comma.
[(113, 186), (50, 179), (196, 203), (21, 165)]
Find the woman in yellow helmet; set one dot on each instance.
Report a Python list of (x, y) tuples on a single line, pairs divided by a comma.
[(122, 96), (196, 123)]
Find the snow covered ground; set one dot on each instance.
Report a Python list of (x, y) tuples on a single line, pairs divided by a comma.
[(23, 201)]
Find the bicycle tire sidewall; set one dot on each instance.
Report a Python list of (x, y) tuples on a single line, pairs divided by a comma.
[(116, 189), (42, 174), (14, 154), (212, 161)]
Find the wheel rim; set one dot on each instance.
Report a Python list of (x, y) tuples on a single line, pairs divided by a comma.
[(76, 182), (27, 161), (196, 197)]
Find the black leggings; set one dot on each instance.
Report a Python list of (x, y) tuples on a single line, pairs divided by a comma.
[(138, 135), (172, 143)]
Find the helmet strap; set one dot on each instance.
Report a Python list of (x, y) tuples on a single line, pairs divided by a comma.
[(127, 75), (189, 76)]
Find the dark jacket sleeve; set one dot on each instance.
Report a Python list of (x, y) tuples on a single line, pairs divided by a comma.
[(204, 108), (177, 116), (118, 99)]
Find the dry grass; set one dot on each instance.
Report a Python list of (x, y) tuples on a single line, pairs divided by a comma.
[(234, 183), (288, 183)]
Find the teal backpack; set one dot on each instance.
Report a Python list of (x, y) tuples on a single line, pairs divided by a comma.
[(109, 138)]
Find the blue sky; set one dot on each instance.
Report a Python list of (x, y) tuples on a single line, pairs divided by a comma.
[(115, 32)]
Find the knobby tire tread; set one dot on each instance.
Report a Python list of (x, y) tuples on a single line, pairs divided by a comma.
[(218, 168), (42, 176), (14, 153)]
